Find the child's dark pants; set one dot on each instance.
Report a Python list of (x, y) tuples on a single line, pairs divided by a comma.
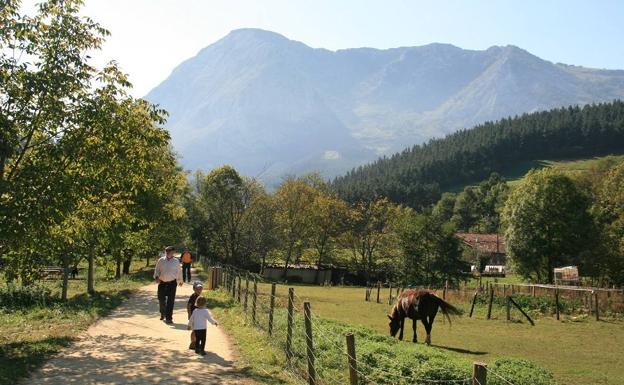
[(200, 340)]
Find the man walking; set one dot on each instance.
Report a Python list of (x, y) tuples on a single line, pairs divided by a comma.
[(167, 274), (187, 260)]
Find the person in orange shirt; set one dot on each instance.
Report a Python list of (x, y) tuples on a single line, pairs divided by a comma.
[(187, 260)]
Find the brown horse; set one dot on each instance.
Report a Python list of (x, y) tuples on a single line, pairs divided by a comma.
[(418, 305)]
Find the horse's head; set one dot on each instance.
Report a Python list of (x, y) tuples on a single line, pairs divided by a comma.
[(394, 324)]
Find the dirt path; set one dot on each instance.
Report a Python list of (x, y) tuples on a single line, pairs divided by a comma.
[(132, 346)]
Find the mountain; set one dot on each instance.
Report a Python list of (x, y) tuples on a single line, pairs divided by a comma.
[(271, 106)]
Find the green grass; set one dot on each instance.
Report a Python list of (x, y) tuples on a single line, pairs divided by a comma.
[(570, 166), (383, 360), (577, 349), (31, 334)]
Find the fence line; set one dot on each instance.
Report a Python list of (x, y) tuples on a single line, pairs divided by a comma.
[(317, 331)]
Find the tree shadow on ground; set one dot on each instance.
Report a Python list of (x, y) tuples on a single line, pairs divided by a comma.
[(127, 359), (19, 358)]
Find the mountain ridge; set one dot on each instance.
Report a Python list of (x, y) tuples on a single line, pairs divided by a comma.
[(273, 106)]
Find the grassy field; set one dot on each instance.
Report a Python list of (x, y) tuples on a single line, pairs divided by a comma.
[(31, 334), (571, 167), (578, 350), (381, 359)]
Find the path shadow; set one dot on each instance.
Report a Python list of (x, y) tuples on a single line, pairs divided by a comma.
[(460, 350), (130, 359), (216, 359), (179, 326)]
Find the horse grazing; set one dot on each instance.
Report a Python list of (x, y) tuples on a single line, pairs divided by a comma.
[(418, 305)]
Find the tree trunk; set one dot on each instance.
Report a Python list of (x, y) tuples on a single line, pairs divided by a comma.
[(118, 268), (288, 256), (263, 262), (91, 274), (126, 263), (65, 278)]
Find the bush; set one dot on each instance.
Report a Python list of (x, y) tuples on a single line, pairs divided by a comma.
[(17, 296), (539, 304), (519, 372)]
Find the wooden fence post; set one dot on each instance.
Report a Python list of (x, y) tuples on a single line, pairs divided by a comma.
[(557, 303), (233, 286), (596, 306), (378, 289), (271, 309), (504, 290), (353, 378), (310, 344), (445, 289), (291, 296), (254, 298), (474, 299), (246, 292), (489, 314), (390, 295), (508, 308), (479, 373)]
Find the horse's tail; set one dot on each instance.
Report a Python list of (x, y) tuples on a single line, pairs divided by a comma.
[(448, 309)]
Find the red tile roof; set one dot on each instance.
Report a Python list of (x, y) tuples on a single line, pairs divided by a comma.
[(485, 243)]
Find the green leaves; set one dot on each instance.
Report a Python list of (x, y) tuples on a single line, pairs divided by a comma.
[(84, 167), (548, 224)]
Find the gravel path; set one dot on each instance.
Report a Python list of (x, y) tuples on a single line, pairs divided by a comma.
[(132, 346)]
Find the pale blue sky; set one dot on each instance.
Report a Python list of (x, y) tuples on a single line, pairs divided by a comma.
[(150, 37)]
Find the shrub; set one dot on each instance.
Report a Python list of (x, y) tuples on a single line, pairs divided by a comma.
[(519, 372), (17, 296)]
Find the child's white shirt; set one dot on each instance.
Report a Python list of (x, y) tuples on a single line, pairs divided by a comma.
[(200, 318)]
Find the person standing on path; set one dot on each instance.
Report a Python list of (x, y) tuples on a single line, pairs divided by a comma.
[(190, 306), (167, 274), (198, 323), (187, 260)]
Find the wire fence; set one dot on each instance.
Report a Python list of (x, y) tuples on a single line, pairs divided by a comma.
[(316, 351)]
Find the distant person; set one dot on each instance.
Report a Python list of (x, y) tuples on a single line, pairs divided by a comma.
[(198, 287), (187, 260), (167, 274), (198, 324)]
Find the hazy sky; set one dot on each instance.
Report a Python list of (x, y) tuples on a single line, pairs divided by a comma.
[(150, 37)]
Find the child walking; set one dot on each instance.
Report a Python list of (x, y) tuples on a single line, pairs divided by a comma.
[(198, 323), (190, 306)]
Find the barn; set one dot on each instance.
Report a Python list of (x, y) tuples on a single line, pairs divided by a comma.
[(300, 273), (490, 251)]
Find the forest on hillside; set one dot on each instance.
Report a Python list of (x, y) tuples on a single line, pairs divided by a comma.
[(417, 176)]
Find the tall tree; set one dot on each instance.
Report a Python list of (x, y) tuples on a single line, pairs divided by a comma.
[(431, 253), (293, 200), (371, 232), (609, 210), (548, 224), (222, 199), (328, 216)]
